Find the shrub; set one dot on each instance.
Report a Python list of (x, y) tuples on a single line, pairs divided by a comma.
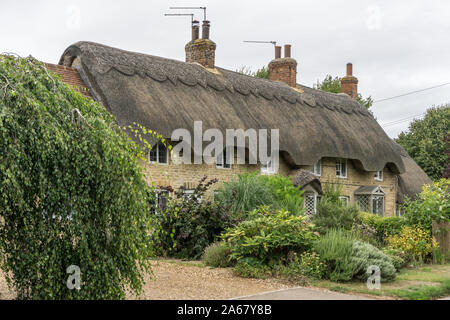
[(248, 192), (188, 226), (333, 215), (384, 226), (269, 236), (249, 267), (72, 191), (336, 248), (311, 265), (217, 255), (433, 204), (365, 255), (348, 258), (286, 195), (415, 242)]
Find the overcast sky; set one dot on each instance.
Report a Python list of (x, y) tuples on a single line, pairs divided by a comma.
[(395, 46)]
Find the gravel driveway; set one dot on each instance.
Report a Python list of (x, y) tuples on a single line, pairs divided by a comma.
[(186, 280)]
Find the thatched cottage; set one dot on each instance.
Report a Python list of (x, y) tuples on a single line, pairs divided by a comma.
[(324, 137)]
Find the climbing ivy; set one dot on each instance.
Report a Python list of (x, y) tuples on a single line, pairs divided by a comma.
[(72, 191)]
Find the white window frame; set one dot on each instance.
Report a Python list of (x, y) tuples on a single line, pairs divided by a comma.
[(316, 168), (268, 168), (339, 163), (346, 200), (316, 200), (158, 195), (221, 161), (157, 155), (189, 193), (378, 176)]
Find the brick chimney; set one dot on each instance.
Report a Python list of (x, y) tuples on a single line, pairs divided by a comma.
[(349, 83), (202, 51), (283, 69)]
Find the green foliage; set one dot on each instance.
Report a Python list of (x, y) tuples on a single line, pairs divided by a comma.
[(415, 242), (383, 226), (250, 191), (216, 255), (269, 236), (433, 204), (422, 292), (399, 258), (330, 84), (348, 258), (72, 191), (286, 195), (252, 268), (332, 191), (262, 73), (309, 264), (187, 226), (366, 255), (426, 141), (333, 215)]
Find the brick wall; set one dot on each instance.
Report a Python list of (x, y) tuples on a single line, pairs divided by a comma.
[(202, 51), (285, 70)]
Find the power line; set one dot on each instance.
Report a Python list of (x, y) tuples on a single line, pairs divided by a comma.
[(403, 119), (393, 123), (412, 92)]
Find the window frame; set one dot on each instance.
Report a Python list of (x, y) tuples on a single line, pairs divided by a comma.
[(156, 147), (378, 175), (190, 192), (347, 200), (339, 163), (316, 165)]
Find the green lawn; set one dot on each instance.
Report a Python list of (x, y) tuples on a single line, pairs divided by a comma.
[(423, 283)]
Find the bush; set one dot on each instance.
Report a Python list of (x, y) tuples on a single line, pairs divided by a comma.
[(250, 191), (310, 264), (417, 244), (217, 255), (384, 226), (333, 215), (336, 248), (269, 236), (252, 268), (348, 258), (433, 204), (188, 225), (72, 191)]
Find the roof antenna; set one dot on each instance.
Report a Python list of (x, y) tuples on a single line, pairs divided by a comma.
[(277, 48), (181, 14), (192, 8)]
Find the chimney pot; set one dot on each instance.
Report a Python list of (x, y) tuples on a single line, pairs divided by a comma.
[(195, 30), (287, 50), (349, 69), (205, 29), (349, 83), (277, 52)]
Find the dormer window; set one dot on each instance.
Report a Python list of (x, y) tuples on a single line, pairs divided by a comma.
[(316, 169), (378, 176), (341, 168), (159, 154)]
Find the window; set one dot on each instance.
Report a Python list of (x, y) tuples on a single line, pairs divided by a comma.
[(188, 194), (310, 203), (268, 167), (378, 175), (363, 202), (160, 200), (341, 168), (222, 161), (317, 168), (378, 205), (398, 210), (159, 154), (344, 201)]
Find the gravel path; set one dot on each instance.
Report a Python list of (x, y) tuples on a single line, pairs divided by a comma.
[(184, 280)]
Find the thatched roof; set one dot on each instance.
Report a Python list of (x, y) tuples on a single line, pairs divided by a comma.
[(302, 178), (410, 182), (164, 95)]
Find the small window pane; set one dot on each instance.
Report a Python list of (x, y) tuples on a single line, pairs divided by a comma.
[(153, 156), (162, 153), (378, 205)]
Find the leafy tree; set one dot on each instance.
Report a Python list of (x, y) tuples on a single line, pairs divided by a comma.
[(427, 141), (262, 73), (72, 191), (330, 84)]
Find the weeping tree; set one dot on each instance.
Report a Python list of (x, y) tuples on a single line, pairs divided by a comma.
[(74, 219)]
